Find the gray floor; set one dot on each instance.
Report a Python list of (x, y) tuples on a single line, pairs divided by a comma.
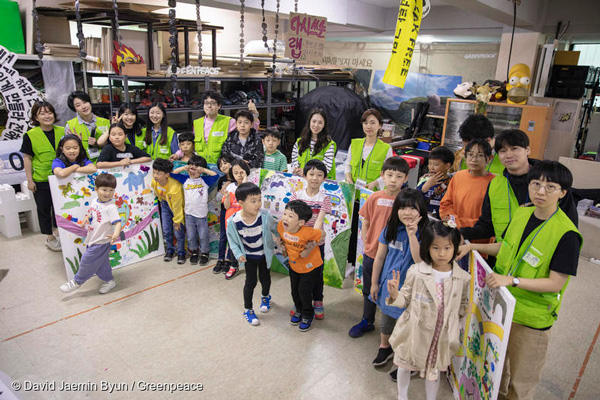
[(170, 323)]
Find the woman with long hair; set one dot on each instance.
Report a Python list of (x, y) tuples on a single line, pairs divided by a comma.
[(314, 143)]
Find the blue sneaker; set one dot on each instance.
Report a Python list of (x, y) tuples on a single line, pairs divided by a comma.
[(251, 317), (361, 328), (305, 324), (265, 303), (296, 318)]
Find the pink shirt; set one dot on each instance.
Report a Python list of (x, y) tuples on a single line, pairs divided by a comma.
[(208, 123)]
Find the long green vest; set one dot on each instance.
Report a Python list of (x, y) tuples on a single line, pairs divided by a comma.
[(43, 152), (211, 151), (371, 170), (102, 125), (157, 150), (532, 261), (307, 156), (495, 166), (503, 204), (140, 143)]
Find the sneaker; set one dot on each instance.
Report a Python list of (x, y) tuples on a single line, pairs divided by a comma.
[(168, 256), (69, 286), (384, 355), (305, 324), (319, 310), (219, 267), (231, 273), (394, 375), (361, 328), (293, 311), (204, 259), (251, 317), (265, 303), (53, 244), (194, 258), (296, 319), (181, 259), (107, 287)]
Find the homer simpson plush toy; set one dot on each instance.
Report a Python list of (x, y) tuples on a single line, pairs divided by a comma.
[(519, 79)]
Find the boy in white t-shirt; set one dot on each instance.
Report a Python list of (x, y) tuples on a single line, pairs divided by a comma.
[(195, 192), (104, 227)]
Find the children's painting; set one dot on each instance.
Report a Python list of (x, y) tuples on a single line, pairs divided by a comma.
[(141, 236), (360, 246), (477, 368), (277, 189)]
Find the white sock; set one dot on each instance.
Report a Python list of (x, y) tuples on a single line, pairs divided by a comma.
[(403, 382), (431, 389)]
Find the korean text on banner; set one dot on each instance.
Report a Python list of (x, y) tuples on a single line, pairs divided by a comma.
[(405, 39), (306, 38)]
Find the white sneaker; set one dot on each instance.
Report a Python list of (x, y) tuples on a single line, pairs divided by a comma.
[(53, 244), (69, 286), (107, 287)]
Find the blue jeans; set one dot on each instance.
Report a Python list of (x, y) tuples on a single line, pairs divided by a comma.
[(166, 216), (197, 229), (222, 236)]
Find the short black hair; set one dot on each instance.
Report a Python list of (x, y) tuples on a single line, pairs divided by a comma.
[(40, 105), (186, 137), (443, 154), (511, 137), (117, 125), (437, 229), (246, 189), (246, 114), (78, 94), (106, 180), (315, 164), (212, 94), (198, 161), (475, 126), (482, 144), (240, 163), (162, 165), (396, 164), (224, 158), (272, 132), (551, 171), (301, 209)]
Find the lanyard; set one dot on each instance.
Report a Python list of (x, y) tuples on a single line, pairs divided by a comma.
[(367, 161)]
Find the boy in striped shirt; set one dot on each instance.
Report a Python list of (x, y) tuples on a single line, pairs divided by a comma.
[(274, 159), (250, 234)]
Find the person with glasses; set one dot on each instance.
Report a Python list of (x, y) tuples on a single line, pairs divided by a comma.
[(476, 126), (538, 254)]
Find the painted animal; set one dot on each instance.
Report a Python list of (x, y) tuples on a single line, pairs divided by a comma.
[(66, 189), (134, 180)]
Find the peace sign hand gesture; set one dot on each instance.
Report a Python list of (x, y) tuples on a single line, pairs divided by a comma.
[(393, 285)]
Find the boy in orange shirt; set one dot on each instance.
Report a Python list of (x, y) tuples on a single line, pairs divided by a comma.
[(304, 271)]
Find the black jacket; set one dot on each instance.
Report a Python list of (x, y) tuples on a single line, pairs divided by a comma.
[(253, 151)]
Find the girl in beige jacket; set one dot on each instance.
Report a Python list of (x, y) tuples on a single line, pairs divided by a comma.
[(435, 295)]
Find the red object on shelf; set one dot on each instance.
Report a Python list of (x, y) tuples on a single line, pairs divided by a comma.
[(412, 160)]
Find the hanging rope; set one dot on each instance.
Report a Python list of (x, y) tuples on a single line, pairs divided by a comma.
[(199, 29), (264, 25), (276, 32), (39, 47), (242, 37), (173, 44)]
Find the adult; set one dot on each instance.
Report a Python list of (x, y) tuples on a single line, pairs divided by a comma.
[(211, 130), (161, 138), (39, 150), (476, 126), (244, 143), (127, 117), (86, 124), (538, 254), (314, 143)]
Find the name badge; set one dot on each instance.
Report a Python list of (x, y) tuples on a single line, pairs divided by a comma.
[(164, 151), (385, 202), (397, 245), (531, 259), (361, 183), (217, 133), (93, 152), (270, 159)]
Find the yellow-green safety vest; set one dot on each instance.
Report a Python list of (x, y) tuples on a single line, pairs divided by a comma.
[(157, 150), (371, 170), (43, 152), (211, 151), (495, 166), (307, 156), (503, 204)]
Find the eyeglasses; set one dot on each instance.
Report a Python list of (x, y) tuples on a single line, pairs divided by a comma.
[(547, 188), (210, 103), (477, 156)]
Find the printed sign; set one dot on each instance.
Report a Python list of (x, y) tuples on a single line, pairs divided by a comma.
[(306, 38)]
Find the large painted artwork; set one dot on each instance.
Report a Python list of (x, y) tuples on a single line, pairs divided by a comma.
[(358, 272), (477, 368), (141, 237)]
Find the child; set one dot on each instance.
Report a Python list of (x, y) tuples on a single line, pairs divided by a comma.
[(376, 212), (71, 157), (170, 195), (244, 143), (464, 197), (118, 153), (274, 159), (104, 227), (127, 117), (427, 335), (195, 192), (86, 124), (238, 173), (398, 249), (161, 137), (186, 148), (304, 271), (434, 184), (315, 172), (250, 232), (224, 163)]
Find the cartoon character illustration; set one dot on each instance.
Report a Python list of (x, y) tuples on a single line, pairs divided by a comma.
[(519, 79), (66, 189)]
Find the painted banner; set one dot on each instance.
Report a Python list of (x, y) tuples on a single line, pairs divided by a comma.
[(305, 40), (476, 370), (405, 39), (277, 189), (358, 271), (141, 236)]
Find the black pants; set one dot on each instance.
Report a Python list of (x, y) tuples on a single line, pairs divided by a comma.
[(254, 267), (303, 286), (353, 234), (369, 307), (318, 291), (45, 210)]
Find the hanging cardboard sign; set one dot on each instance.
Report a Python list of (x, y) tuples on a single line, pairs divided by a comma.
[(306, 38), (405, 39)]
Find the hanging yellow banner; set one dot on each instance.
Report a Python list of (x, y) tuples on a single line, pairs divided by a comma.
[(405, 39)]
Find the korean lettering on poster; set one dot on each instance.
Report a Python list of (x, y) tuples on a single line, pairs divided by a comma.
[(306, 38)]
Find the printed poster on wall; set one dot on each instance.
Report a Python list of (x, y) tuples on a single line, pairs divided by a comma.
[(305, 39), (360, 246), (141, 236), (476, 370)]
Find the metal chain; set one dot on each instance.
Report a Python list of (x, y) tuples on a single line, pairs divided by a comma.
[(295, 5), (80, 36), (39, 47), (116, 33), (276, 32), (242, 6), (264, 24), (173, 45), (199, 29)]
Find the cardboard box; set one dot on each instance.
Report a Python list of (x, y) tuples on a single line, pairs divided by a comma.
[(566, 57), (134, 70)]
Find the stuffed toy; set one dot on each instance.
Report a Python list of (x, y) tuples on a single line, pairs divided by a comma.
[(519, 79)]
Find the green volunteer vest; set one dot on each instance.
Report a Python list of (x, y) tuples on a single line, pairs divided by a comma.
[(532, 261), (211, 151), (503, 204), (371, 170), (495, 167), (102, 125), (157, 150), (306, 156), (43, 152), (140, 143)]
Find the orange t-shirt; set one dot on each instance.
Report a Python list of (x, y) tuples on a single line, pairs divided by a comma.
[(234, 206), (376, 210), (464, 197), (295, 243)]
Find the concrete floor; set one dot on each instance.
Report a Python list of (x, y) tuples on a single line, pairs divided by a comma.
[(171, 323)]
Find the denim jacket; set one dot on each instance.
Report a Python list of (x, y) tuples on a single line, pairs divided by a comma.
[(269, 228)]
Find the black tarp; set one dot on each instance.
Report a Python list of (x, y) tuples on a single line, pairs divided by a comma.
[(343, 108)]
